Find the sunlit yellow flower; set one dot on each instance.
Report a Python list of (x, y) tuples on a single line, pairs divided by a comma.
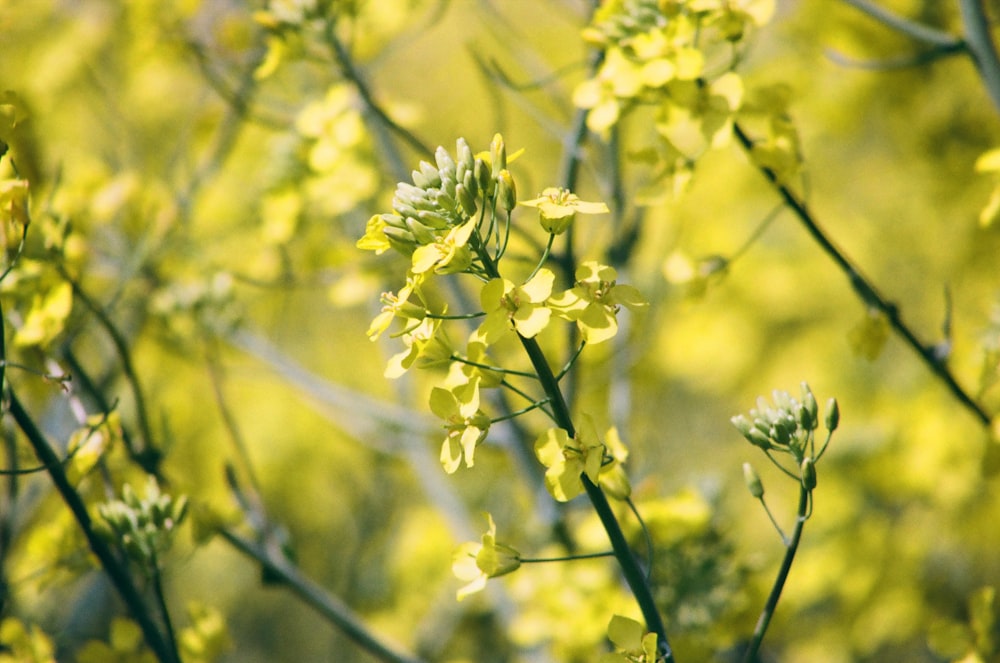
[(465, 423), (397, 305), (567, 459), (474, 563), (510, 306), (594, 301), (375, 238), (557, 208), (632, 643), (448, 255)]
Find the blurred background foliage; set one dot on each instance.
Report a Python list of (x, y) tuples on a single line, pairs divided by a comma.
[(199, 172)]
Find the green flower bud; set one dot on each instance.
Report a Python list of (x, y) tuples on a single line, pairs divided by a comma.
[(434, 220), (807, 472), (759, 439), (470, 182), (465, 198), (752, 481), (445, 164), (498, 559), (832, 415), (465, 162), (484, 178), (507, 192), (742, 424), (402, 240), (810, 418), (781, 432), (394, 220), (421, 233), (427, 177), (498, 156), (447, 202)]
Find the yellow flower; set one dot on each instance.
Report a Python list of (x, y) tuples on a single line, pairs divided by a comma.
[(558, 207), (477, 562), (509, 306), (567, 459), (594, 301), (466, 424)]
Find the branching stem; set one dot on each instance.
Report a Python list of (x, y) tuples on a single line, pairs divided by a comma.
[(330, 607), (864, 287), (116, 570), (791, 546)]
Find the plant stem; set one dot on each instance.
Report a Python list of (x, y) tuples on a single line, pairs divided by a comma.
[(116, 570), (634, 576), (331, 608), (779, 583), (979, 41), (863, 286)]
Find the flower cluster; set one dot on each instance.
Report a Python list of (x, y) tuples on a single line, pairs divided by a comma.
[(143, 526), (788, 427), (677, 58), (454, 218)]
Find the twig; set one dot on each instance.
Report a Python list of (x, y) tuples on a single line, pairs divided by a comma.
[(864, 287), (352, 74), (331, 608), (779, 582), (117, 571), (917, 31), (980, 44), (149, 456)]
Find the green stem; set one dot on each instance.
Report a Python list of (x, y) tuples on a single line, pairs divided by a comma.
[(979, 41), (630, 567), (116, 571), (567, 558), (864, 287), (148, 457), (161, 600), (331, 608), (779, 583)]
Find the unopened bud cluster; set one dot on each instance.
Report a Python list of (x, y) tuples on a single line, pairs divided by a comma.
[(143, 526), (788, 424), (447, 194)]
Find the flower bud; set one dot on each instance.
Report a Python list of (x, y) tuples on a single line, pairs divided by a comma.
[(445, 164), (466, 198), (498, 156), (421, 232), (752, 481), (759, 439), (832, 415), (742, 424), (507, 192), (427, 177), (807, 472), (483, 178), (809, 416)]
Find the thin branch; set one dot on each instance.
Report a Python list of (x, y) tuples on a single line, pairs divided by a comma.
[(865, 289), (149, 456), (779, 583), (116, 570), (351, 74), (980, 44), (913, 29), (330, 607)]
